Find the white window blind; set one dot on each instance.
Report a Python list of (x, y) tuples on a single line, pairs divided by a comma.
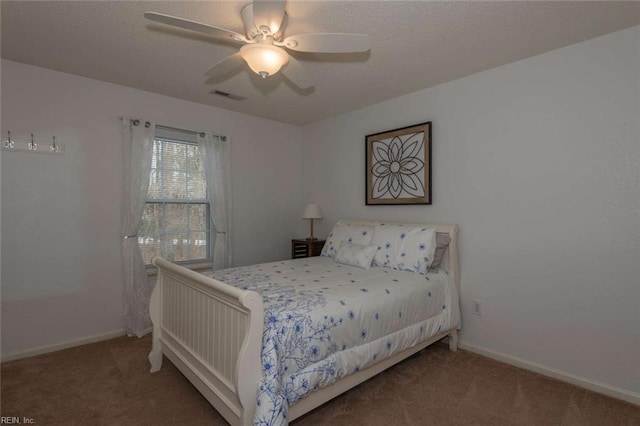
[(176, 219)]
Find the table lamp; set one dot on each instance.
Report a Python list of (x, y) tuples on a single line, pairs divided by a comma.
[(311, 211)]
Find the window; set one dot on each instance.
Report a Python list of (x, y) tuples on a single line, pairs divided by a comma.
[(175, 222)]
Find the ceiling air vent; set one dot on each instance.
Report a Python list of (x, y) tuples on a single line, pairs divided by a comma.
[(228, 95)]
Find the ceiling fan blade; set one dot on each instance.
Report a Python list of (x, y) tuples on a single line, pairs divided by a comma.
[(195, 26), (268, 13), (280, 34), (225, 66), (247, 19), (328, 43), (296, 73)]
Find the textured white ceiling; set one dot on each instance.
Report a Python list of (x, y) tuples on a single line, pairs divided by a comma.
[(415, 45)]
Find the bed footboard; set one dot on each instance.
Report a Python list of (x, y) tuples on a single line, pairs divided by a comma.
[(213, 333)]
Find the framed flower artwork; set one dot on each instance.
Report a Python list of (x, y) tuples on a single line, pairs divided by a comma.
[(399, 166)]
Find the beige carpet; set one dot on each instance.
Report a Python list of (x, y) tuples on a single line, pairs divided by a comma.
[(109, 383)]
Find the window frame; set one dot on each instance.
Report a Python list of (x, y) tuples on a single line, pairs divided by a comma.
[(191, 263)]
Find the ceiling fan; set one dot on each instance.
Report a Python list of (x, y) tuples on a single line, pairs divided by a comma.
[(264, 46)]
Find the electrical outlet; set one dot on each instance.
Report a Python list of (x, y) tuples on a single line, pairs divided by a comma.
[(476, 307)]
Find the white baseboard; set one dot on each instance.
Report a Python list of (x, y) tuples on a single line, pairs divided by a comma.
[(65, 345), (622, 394), (625, 395)]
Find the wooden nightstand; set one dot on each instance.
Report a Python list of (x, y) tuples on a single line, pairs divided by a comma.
[(305, 248)]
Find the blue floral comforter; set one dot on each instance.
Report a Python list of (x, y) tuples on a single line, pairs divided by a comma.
[(324, 320)]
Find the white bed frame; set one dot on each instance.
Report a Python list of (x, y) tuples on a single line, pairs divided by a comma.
[(212, 332)]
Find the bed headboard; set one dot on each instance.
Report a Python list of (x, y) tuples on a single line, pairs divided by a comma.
[(450, 259)]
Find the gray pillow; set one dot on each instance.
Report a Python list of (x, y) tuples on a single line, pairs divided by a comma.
[(442, 242)]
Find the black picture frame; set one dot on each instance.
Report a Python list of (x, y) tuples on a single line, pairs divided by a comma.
[(398, 166)]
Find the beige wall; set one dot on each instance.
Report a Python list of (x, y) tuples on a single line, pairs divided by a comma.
[(538, 162), (61, 268)]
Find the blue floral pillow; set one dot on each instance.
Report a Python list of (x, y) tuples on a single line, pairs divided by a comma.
[(404, 247), (354, 234), (417, 250), (386, 238)]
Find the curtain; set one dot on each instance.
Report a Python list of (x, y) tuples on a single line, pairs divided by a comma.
[(137, 138), (215, 157)]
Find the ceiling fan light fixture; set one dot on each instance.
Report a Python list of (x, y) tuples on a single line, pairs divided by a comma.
[(264, 59), (265, 50)]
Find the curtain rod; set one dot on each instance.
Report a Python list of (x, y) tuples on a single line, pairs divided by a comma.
[(189, 132), (176, 129)]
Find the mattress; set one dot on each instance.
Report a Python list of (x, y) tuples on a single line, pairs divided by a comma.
[(325, 320)]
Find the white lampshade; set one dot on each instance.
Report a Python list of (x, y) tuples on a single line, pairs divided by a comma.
[(312, 211), (264, 59)]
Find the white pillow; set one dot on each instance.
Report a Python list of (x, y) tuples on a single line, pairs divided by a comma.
[(355, 234), (404, 247), (355, 255)]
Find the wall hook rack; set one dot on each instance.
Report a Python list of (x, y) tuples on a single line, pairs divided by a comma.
[(32, 146)]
